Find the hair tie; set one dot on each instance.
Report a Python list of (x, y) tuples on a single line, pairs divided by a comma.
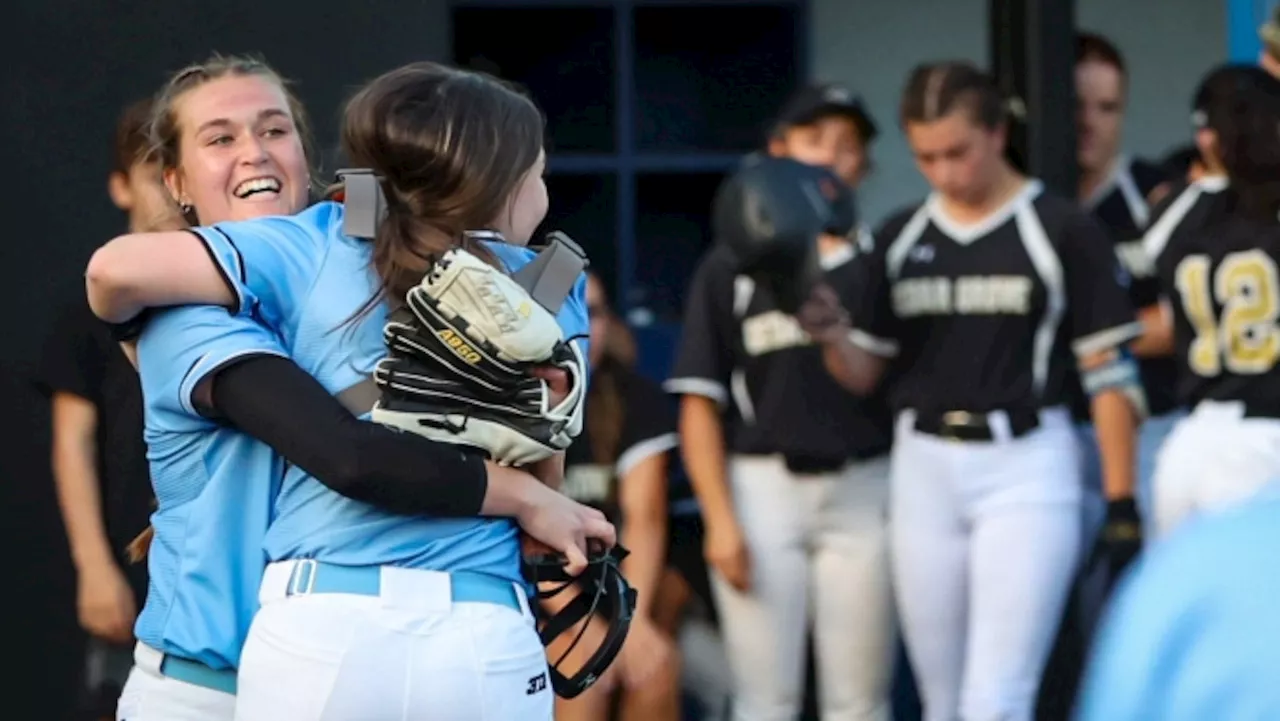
[(1015, 108)]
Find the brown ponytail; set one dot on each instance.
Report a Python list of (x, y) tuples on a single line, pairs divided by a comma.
[(452, 147)]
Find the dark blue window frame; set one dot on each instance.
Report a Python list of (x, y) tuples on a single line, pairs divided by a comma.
[(626, 163)]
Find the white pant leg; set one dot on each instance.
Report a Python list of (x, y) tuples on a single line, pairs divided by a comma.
[(1151, 438), (929, 559), (341, 657), (850, 588), (1213, 459), (1024, 500), (764, 628), (150, 696)]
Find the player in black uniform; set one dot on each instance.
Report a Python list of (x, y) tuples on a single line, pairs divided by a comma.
[(790, 470), (619, 464), (99, 459), (983, 303), (1119, 191), (1217, 251)]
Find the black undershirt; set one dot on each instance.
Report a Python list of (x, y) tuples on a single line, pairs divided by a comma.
[(275, 401)]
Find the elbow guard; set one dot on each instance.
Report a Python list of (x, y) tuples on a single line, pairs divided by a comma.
[(1118, 373)]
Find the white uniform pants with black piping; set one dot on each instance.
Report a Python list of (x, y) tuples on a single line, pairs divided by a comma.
[(817, 546)]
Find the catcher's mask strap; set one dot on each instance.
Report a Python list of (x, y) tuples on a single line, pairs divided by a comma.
[(364, 205), (550, 276)]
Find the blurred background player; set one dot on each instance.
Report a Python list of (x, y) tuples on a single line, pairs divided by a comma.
[(1217, 250), (981, 304), (1119, 191), (789, 469), (620, 465), (825, 125), (99, 459)]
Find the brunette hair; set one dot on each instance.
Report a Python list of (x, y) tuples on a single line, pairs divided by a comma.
[(1241, 105), (1092, 46), (131, 136), (935, 90), (451, 148), (606, 409)]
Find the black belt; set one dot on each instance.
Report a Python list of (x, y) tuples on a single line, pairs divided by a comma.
[(1261, 410), (974, 427)]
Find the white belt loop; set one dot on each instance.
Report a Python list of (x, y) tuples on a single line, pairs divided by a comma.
[(416, 589), (522, 597), (148, 659), (276, 580), (1001, 428)]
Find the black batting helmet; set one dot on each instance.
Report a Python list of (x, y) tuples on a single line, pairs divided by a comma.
[(769, 215)]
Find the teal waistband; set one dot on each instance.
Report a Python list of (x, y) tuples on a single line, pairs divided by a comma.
[(198, 674), (320, 577)]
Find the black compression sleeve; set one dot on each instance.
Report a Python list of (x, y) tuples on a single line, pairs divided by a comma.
[(275, 401)]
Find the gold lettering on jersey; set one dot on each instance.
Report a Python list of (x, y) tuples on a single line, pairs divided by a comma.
[(587, 483), (771, 332), (922, 296), (966, 295), (1245, 337), (993, 295), (1135, 259), (460, 347)]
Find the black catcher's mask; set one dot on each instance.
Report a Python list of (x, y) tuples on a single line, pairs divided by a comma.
[(602, 607)]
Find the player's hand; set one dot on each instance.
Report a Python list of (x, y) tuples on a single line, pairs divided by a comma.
[(823, 317), (1120, 540), (725, 549), (105, 603), (557, 380), (646, 650), (565, 526)]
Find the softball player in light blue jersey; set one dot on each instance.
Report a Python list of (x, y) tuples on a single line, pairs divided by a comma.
[(1193, 633), (214, 486), (331, 618), (366, 615)]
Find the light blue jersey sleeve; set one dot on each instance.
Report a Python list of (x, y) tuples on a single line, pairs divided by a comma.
[(1193, 632), (183, 346), (271, 263)]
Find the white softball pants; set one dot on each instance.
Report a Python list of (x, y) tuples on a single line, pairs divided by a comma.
[(986, 538), (410, 654), (1213, 459), (817, 546), (149, 695)]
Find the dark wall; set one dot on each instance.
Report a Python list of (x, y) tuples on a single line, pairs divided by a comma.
[(71, 65)]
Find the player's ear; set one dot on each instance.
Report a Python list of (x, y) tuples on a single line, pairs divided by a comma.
[(778, 146), (120, 191), (173, 183), (1000, 137), (1207, 144)]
